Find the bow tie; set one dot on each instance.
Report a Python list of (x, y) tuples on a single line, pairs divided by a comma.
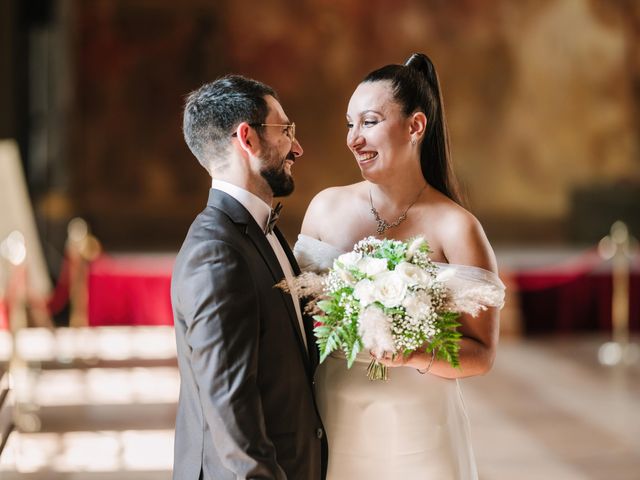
[(273, 218)]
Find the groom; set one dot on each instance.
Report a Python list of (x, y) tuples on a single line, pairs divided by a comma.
[(245, 352)]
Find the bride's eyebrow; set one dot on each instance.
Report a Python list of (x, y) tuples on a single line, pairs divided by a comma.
[(365, 112), (371, 111)]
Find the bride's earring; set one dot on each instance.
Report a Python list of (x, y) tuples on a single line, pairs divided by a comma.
[(413, 141)]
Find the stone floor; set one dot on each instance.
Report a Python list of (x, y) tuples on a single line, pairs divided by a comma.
[(548, 410)]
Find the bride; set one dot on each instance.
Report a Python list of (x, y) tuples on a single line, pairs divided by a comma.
[(414, 425)]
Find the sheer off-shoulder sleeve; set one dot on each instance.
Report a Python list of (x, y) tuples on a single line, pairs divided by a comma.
[(472, 288), (314, 255)]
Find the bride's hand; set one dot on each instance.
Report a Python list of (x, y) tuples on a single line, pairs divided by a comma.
[(390, 360)]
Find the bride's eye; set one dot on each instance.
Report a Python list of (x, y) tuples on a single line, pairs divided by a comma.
[(370, 123), (349, 125)]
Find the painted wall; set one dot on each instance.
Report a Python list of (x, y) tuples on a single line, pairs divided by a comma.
[(542, 102)]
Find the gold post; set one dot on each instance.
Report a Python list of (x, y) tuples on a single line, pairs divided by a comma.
[(620, 297), (617, 248), (14, 250), (82, 248)]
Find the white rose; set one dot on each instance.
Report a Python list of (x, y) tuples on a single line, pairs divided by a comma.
[(415, 245), (390, 288), (413, 274), (365, 292), (418, 305), (372, 266), (349, 259)]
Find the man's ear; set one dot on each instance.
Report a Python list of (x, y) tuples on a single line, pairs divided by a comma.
[(418, 124), (247, 138)]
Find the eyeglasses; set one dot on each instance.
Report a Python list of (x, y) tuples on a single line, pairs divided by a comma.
[(289, 132)]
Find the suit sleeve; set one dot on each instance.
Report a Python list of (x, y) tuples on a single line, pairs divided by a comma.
[(219, 299)]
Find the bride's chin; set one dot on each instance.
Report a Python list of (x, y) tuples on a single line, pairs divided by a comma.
[(371, 175)]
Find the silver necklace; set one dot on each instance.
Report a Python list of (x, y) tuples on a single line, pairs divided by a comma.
[(383, 225)]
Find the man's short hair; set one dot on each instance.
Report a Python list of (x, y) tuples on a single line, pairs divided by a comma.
[(213, 112)]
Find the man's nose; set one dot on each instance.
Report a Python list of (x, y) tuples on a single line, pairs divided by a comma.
[(296, 148)]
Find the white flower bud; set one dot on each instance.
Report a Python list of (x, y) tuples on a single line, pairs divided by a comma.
[(414, 246)]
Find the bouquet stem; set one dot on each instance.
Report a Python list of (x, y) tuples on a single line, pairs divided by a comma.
[(376, 370)]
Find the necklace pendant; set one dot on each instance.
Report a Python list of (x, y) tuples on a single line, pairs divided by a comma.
[(383, 225)]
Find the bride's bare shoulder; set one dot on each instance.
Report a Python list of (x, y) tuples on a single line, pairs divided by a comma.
[(462, 237), (329, 206), (333, 195)]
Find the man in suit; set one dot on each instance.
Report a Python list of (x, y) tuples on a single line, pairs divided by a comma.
[(246, 353)]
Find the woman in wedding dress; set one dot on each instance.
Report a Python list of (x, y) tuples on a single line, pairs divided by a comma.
[(414, 425)]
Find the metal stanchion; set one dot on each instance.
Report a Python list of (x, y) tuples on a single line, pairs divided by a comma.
[(82, 248), (21, 376), (618, 247)]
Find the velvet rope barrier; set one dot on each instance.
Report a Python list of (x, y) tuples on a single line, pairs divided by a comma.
[(59, 299), (552, 276), (4, 314), (71, 289), (574, 294)]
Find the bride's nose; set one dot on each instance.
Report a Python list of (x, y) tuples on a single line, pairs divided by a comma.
[(354, 139)]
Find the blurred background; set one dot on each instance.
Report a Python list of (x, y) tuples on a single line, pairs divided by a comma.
[(97, 190)]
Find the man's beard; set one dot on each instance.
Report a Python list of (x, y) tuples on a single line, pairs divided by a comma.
[(279, 180)]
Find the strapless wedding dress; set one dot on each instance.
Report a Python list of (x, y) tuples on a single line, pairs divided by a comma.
[(411, 426)]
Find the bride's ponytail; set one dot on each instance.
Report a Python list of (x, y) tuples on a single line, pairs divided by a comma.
[(417, 88)]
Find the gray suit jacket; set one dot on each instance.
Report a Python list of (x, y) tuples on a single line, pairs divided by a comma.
[(246, 407)]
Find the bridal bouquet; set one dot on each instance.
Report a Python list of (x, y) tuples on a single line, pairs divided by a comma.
[(388, 296), (385, 296)]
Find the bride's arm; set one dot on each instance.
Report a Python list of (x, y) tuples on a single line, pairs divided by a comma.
[(464, 243)]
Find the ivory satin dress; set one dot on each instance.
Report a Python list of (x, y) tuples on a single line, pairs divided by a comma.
[(411, 426)]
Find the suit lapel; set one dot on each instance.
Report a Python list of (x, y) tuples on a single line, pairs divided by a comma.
[(262, 244), (306, 319), (287, 250), (234, 209)]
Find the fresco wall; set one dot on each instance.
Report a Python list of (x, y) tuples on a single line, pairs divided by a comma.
[(541, 97)]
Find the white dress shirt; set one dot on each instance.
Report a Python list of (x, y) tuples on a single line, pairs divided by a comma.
[(260, 211)]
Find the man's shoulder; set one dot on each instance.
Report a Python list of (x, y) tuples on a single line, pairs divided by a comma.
[(210, 231)]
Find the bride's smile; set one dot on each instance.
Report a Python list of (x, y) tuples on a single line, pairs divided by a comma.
[(365, 158)]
